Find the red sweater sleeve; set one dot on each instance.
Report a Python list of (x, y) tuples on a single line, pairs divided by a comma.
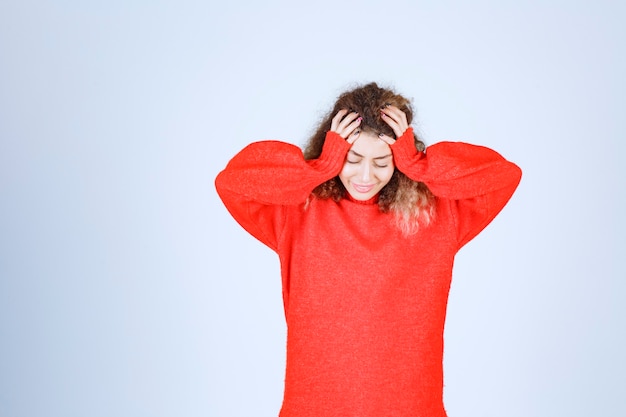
[(476, 182), (266, 176)]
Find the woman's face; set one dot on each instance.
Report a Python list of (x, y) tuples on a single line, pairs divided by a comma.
[(368, 167)]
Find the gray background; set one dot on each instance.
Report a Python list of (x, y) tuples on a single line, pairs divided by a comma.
[(127, 290)]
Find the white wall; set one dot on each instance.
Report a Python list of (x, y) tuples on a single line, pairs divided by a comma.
[(127, 290)]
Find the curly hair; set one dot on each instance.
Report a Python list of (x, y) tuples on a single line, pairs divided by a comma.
[(411, 202)]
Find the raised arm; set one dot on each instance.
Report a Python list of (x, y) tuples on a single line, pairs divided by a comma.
[(475, 181), (266, 176)]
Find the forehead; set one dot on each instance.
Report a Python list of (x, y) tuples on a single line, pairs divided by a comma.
[(369, 145)]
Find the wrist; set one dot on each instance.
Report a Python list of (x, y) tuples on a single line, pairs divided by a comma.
[(404, 146), (333, 153)]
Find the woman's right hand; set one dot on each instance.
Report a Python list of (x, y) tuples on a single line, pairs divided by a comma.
[(346, 125)]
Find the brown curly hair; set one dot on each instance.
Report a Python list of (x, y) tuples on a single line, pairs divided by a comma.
[(411, 202)]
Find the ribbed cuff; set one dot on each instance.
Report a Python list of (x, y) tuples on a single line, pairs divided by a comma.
[(404, 150), (333, 154)]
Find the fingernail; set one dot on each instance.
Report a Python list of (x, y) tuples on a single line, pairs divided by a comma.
[(380, 135)]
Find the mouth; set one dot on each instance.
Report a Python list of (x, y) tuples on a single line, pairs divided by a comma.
[(363, 188)]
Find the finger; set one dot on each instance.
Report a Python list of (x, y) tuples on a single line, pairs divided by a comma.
[(396, 114), (354, 135), (348, 124), (395, 110), (397, 128), (351, 117), (348, 131), (337, 119), (395, 118), (387, 139)]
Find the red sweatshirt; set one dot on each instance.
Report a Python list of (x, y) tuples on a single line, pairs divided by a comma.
[(365, 306)]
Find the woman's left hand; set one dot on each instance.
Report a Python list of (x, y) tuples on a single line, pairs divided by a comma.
[(396, 119)]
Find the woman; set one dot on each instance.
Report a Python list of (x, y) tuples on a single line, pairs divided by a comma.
[(366, 225)]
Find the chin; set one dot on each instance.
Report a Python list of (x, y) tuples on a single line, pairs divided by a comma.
[(355, 195)]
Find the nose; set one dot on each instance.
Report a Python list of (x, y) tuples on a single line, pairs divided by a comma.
[(365, 174)]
